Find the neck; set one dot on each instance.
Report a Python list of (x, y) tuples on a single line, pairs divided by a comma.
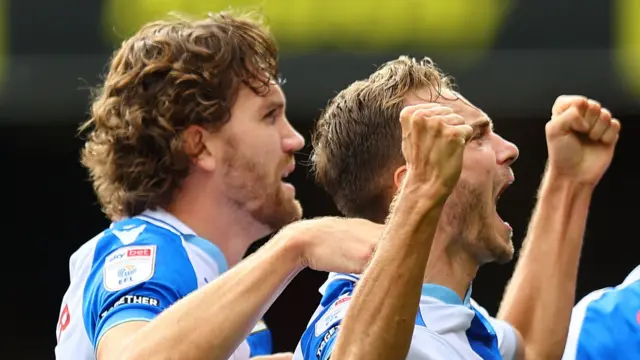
[(219, 221), (450, 265)]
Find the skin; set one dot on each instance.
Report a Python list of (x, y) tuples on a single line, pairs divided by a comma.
[(581, 138), (433, 144), (234, 195)]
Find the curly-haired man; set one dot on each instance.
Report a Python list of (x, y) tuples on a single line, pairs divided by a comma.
[(187, 148)]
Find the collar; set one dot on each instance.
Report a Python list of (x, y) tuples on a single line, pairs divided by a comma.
[(166, 220), (446, 295), (439, 292)]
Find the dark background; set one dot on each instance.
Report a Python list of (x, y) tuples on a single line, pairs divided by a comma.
[(52, 51)]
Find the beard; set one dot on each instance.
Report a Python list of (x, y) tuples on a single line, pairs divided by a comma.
[(468, 217), (256, 190)]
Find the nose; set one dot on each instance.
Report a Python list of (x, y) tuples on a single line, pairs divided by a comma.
[(292, 141), (506, 152)]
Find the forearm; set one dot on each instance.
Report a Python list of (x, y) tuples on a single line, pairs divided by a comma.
[(211, 323), (388, 294), (540, 296)]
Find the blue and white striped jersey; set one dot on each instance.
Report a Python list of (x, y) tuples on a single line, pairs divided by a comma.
[(606, 323), (446, 327), (133, 271)]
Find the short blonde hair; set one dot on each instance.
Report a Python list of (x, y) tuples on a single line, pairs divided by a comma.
[(357, 140)]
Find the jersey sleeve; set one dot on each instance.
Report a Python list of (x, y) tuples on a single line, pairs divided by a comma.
[(135, 282), (259, 340), (506, 334), (320, 336), (604, 324)]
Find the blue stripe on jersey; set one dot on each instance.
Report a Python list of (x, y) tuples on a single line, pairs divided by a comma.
[(481, 335), (260, 343), (482, 338), (611, 326), (442, 293), (172, 279)]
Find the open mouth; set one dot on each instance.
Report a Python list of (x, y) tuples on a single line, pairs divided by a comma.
[(498, 195), (285, 174), (287, 171)]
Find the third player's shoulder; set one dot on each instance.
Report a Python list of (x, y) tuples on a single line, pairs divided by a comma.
[(608, 301), (603, 321)]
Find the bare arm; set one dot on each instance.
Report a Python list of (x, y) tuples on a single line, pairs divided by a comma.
[(540, 296), (212, 321), (390, 298), (380, 320), (581, 138)]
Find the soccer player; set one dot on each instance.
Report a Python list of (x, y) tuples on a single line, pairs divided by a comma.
[(358, 156), (606, 323), (187, 147)]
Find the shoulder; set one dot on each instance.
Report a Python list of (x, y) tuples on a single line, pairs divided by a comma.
[(605, 320), (138, 270), (133, 251), (319, 337)]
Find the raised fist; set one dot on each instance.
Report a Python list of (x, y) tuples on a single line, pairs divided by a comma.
[(581, 138), (433, 141)]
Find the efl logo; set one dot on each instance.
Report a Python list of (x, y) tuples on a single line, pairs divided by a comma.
[(138, 252)]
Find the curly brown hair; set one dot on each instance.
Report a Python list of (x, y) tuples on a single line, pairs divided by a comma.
[(357, 140), (170, 75)]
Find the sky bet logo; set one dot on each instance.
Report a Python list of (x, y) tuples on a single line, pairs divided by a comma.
[(115, 257), (129, 266)]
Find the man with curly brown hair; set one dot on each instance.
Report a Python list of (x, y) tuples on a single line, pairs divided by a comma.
[(187, 148)]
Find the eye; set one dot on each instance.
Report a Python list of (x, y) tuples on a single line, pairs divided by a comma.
[(272, 116), (480, 134)]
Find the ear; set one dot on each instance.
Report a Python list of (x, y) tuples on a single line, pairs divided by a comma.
[(199, 144), (398, 177)]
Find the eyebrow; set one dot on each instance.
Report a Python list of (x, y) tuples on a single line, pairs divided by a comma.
[(273, 105), (481, 124)]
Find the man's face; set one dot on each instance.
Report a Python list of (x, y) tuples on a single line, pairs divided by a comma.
[(470, 215), (257, 153)]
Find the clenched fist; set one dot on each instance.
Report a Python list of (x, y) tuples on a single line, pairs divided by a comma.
[(433, 141), (581, 138), (335, 244)]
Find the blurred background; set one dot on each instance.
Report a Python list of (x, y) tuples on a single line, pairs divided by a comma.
[(510, 57)]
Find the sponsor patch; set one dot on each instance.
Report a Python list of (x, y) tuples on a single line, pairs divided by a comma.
[(128, 266), (336, 312), (132, 299)]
